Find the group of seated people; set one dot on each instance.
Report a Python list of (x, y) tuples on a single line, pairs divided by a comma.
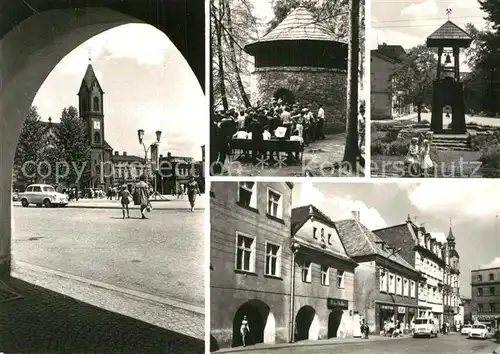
[(273, 120)]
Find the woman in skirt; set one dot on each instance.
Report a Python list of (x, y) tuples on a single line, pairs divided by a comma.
[(192, 190)]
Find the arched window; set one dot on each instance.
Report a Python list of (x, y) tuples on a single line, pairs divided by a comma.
[(97, 138), (96, 103)]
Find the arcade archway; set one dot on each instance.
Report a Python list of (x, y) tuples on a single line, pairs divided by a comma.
[(261, 323), (37, 38), (334, 320), (306, 324)]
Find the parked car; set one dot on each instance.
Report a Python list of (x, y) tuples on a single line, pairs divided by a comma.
[(466, 329), (42, 194), (478, 331), (15, 196), (428, 327)]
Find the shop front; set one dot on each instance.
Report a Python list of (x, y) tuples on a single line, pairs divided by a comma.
[(396, 313), (385, 313), (492, 320)]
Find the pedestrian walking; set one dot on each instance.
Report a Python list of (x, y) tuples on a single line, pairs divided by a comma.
[(367, 331), (141, 195), (245, 330), (192, 190), (125, 197)]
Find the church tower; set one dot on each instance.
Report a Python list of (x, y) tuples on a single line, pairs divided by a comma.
[(91, 108)]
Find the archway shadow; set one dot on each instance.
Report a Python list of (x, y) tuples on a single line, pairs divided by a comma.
[(257, 313), (286, 95), (334, 320), (303, 322), (43, 321)]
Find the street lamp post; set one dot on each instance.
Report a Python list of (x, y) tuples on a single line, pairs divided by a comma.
[(140, 135), (294, 246)]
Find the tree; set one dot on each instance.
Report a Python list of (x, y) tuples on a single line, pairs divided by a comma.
[(28, 148), (414, 76), (74, 145)]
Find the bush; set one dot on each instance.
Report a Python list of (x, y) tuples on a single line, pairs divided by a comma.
[(390, 136), (480, 142), (378, 147), (398, 147), (490, 159)]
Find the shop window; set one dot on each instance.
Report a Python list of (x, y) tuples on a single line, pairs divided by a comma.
[(325, 275)]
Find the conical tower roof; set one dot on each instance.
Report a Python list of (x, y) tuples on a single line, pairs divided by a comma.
[(450, 237), (89, 77), (299, 25)]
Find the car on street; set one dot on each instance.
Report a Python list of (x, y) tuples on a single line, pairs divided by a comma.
[(42, 194), (15, 196), (478, 331), (425, 327), (466, 329)]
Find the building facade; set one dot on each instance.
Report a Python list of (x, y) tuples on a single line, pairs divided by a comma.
[(323, 289), (250, 261), (485, 302), (385, 285), (467, 305), (426, 255)]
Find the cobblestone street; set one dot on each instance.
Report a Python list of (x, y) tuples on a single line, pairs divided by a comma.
[(40, 320)]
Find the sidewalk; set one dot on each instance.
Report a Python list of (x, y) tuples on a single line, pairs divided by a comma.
[(311, 343), (496, 350), (169, 203)]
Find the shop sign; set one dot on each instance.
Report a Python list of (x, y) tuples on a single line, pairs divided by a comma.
[(332, 303), (401, 309), (387, 307)]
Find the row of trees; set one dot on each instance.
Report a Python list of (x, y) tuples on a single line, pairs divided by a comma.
[(59, 157), (233, 25)]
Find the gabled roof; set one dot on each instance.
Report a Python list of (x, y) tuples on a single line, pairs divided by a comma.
[(299, 25), (395, 232), (128, 158), (449, 33), (376, 53), (359, 241), (301, 214), (393, 51)]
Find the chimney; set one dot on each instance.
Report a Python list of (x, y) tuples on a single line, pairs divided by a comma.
[(355, 215), (124, 153), (117, 153)]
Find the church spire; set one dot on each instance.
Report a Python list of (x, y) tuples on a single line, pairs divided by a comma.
[(450, 237)]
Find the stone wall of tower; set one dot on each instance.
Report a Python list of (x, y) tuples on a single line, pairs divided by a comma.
[(309, 86)]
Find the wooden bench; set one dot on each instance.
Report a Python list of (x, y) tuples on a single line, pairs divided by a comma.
[(269, 146)]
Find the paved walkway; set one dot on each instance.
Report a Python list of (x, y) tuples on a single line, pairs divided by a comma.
[(496, 350), (310, 343), (35, 319), (168, 203)]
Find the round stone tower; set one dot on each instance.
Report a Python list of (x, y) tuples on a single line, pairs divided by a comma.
[(299, 61)]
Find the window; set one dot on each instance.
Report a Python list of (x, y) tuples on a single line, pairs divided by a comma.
[(480, 278), (322, 233), (340, 278), (245, 253), (406, 291), (479, 307), (399, 289), (97, 138), (391, 283), (315, 229), (96, 104), (37, 189), (383, 280), (274, 201), (273, 259), (491, 277), (325, 275), (412, 288), (329, 239), (29, 189), (306, 272), (247, 195), (479, 292), (492, 308), (492, 291)]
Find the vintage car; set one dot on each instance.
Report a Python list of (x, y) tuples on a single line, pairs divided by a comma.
[(466, 329), (478, 331), (428, 327), (42, 194)]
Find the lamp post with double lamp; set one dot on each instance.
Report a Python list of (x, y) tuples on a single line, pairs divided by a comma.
[(140, 135), (294, 246)]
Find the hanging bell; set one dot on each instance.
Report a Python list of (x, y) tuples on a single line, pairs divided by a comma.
[(448, 59)]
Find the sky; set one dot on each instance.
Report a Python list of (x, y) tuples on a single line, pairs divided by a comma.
[(147, 84), (408, 23), (472, 206)]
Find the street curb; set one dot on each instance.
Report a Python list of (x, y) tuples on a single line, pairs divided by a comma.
[(302, 345), (136, 294), (117, 207)]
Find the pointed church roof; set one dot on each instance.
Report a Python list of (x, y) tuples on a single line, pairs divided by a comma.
[(450, 237), (449, 33), (299, 25), (89, 76)]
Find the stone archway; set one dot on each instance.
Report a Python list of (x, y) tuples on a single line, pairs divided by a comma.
[(334, 320), (261, 323), (286, 95), (306, 324), (36, 44)]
